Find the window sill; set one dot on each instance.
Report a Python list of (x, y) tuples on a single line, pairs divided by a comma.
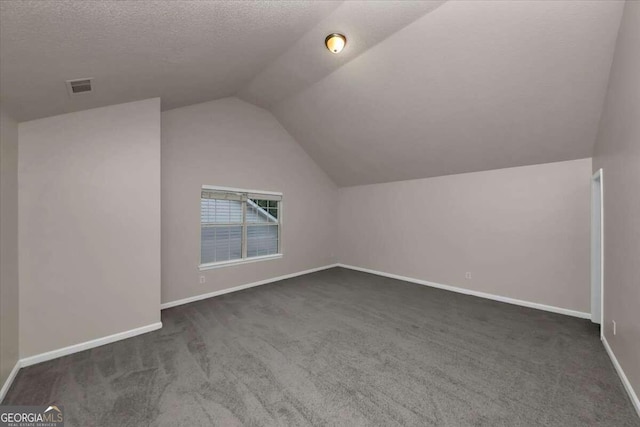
[(212, 265)]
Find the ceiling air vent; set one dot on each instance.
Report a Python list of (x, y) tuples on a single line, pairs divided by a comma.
[(79, 86)]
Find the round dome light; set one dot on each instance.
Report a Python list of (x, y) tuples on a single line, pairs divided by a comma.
[(335, 42)]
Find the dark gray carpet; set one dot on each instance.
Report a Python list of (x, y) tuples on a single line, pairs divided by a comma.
[(340, 348)]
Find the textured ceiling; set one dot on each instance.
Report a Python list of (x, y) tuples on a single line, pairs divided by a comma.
[(422, 88), (473, 85), (364, 22), (182, 51)]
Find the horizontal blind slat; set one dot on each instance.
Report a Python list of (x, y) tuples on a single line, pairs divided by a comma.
[(221, 219)]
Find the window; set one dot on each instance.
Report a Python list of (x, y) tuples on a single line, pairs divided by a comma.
[(238, 226)]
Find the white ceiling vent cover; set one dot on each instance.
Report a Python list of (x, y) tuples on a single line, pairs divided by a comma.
[(80, 86)]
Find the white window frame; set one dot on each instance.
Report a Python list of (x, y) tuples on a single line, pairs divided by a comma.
[(244, 259)]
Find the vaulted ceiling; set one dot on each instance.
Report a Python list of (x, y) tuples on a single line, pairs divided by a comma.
[(473, 85), (423, 88), (183, 51)]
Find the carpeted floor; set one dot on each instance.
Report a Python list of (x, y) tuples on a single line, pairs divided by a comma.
[(340, 348)]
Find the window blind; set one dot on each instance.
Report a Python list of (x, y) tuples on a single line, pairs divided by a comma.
[(238, 225)]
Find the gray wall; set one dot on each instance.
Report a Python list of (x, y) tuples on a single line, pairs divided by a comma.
[(8, 244), (522, 232), (232, 143), (617, 152), (89, 231)]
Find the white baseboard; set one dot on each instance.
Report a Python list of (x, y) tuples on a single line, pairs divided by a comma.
[(43, 357), (627, 385), (9, 381), (474, 293), (241, 287)]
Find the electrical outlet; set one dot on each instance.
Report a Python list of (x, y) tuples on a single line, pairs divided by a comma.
[(203, 280), (614, 326), (468, 275)]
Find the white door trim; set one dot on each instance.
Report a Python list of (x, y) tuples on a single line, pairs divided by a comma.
[(597, 181)]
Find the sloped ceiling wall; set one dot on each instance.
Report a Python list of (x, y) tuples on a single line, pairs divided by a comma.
[(184, 52), (306, 62), (422, 88), (470, 86)]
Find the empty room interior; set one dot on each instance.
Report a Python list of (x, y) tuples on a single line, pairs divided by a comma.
[(327, 213)]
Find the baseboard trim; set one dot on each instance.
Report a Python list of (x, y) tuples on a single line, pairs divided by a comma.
[(625, 381), (9, 381), (493, 297), (54, 354), (241, 287)]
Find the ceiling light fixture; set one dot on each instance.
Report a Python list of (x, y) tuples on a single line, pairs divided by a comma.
[(335, 42)]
